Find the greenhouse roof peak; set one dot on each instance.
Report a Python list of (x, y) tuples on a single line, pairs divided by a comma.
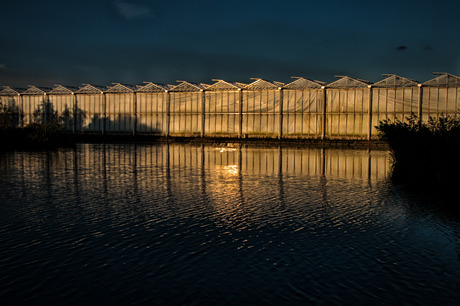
[(444, 79), (36, 90), (61, 89), (223, 85), (393, 80), (186, 86), (11, 91), (152, 87), (303, 83), (120, 88), (260, 84), (348, 82), (91, 89)]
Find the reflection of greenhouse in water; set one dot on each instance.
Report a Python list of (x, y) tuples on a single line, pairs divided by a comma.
[(225, 176), (345, 109), (143, 162)]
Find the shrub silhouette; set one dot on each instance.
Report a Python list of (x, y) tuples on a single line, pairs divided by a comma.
[(10, 114), (424, 154)]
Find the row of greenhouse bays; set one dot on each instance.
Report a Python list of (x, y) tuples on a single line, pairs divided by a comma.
[(346, 112)]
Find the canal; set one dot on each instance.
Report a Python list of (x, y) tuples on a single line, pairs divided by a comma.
[(218, 224)]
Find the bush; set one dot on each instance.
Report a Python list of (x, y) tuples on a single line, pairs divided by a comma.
[(44, 131), (424, 154), (10, 114)]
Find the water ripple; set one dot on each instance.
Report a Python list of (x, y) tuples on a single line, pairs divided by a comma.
[(137, 224)]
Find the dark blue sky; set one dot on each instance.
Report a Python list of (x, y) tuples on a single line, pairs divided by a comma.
[(98, 42)]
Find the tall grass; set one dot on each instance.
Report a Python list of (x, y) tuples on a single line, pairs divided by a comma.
[(424, 154)]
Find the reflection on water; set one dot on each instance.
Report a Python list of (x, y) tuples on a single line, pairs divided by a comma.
[(189, 224)]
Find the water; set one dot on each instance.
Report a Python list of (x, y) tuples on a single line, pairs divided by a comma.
[(209, 225)]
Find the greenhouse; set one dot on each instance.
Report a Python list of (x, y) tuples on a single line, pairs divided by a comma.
[(348, 108), (394, 98)]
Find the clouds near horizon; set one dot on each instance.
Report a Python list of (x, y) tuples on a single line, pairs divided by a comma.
[(132, 11)]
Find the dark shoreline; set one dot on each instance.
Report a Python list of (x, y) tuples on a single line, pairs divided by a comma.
[(289, 142), (19, 139)]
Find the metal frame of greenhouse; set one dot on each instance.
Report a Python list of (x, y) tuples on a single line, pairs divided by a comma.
[(348, 108)]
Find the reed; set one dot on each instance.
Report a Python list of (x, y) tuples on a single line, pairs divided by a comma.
[(424, 154)]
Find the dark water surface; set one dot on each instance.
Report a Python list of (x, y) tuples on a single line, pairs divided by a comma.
[(183, 224)]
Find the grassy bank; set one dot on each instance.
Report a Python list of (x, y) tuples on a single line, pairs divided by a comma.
[(424, 155), (32, 136)]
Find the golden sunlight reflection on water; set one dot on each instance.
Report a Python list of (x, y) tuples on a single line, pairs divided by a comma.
[(174, 223)]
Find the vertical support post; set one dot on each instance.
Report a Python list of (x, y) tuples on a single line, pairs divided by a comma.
[(240, 111), (104, 113), (280, 160), (456, 101), (134, 122), (369, 164), (369, 113), (74, 113), (45, 109), (21, 111), (203, 162), (323, 131), (27, 112), (240, 162), (323, 161), (280, 135), (420, 101), (168, 112), (203, 118)]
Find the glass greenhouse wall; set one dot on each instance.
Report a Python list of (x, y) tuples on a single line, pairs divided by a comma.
[(151, 113), (185, 113), (347, 112), (302, 113), (394, 103), (221, 111), (345, 109), (91, 108), (260, 113)]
